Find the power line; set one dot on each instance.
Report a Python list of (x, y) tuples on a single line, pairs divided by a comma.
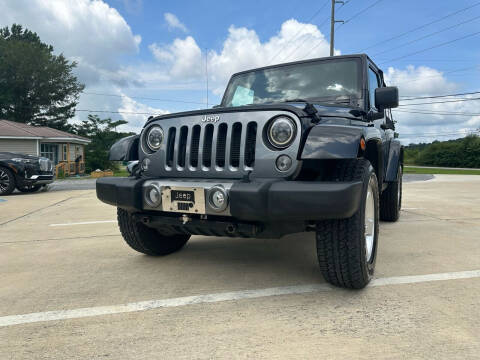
[(432, 47), (421, 26), (299, 31), (428, 112), (344, 22), (441, 102), (409, 97), (144, 98), (427, 36), (443, 73), (359, 13)]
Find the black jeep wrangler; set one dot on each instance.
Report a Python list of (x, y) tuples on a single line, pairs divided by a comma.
[(303, 146)]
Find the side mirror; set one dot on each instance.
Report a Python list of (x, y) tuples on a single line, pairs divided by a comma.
[(386, 97)]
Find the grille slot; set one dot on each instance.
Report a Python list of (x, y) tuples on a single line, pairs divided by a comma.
[(182, 146), (194, 145), (170, 146), (207, 146), (250, 142), (221, 145), (235, 145)]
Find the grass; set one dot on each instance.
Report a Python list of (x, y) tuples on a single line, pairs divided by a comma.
[(417, 170)]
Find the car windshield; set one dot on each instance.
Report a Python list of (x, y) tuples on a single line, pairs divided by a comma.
[(324, 79)]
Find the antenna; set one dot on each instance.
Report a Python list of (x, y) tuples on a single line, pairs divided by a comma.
[(206, 71)]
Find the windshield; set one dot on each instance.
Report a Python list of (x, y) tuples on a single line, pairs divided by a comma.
[(325, 79)]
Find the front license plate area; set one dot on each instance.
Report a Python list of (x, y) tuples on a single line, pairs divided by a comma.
[(183, 199)]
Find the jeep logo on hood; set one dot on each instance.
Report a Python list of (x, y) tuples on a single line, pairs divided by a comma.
[(210, 118)]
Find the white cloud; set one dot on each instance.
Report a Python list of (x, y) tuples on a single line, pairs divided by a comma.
[(421, 80), (129, 107), (173, 22), (415, 120), (89, 32), (183, 58), (241, 50)]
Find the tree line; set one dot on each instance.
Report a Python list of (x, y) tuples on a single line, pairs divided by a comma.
[(464, 152), (40, 88)]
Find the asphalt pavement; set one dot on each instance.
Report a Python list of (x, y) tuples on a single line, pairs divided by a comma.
[(71, 289)]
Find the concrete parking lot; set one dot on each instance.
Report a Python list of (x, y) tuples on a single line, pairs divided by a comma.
[(70, 288)]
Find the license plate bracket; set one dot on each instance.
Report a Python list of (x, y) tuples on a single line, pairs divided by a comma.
[(189, 200)]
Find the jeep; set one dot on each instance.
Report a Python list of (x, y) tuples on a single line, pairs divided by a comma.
[(294, 147)]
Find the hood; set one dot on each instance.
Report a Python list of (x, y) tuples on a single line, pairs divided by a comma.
[(10, 155), (294, 107)]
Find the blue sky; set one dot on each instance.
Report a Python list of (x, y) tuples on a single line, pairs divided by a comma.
[(142, 49)]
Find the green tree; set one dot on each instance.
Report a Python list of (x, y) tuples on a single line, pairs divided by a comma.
[(103, 134), (36, 86)]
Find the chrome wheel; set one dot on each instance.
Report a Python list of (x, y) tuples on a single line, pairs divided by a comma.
[(369, 222), (4, 181)]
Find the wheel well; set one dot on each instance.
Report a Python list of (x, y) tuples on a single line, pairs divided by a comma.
[(374, 154)]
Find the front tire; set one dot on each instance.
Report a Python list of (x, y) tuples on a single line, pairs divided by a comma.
[(7, 181), (147, 240), (347, 248)]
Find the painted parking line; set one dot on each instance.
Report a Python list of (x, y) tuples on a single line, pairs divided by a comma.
[(218, 297), (85, 223)]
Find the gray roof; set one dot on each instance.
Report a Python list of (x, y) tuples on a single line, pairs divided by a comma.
[(15, 130)]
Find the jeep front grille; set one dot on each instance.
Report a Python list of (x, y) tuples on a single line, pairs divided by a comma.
[(225, 147), (230, 148)]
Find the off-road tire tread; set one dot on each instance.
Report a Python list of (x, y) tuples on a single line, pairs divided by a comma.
[(146, 240), (389, 209), (338, 249)]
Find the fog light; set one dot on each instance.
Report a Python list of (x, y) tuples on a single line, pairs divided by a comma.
[(283, 163), (153, 196), (145, 164), (218, 198)]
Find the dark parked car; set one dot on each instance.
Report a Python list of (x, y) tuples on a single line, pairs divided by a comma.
[(304, 146), (25, 172)]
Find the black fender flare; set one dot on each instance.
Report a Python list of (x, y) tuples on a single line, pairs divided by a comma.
[(395, 159), (332, 142), (125, 149)]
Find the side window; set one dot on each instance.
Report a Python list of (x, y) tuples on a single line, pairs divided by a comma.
[(373, 83)]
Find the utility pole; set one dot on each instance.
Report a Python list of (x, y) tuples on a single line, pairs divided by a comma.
[(332, 25)]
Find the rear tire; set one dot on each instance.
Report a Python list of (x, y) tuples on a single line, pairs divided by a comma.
[(391, 199), (7, 181), (147, 240), (347, 248)]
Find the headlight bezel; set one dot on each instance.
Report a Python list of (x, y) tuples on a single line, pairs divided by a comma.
[(147, 145), (270, 141)]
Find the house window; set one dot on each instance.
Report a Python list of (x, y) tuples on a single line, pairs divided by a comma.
[(64, 152), (49, 151)]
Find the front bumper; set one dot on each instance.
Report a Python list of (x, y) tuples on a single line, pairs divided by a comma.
[(262, 200)]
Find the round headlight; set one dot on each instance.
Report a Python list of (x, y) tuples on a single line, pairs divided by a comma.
[(154, 138), (281, 132)]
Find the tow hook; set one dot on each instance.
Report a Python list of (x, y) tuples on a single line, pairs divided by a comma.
[(186, 219)]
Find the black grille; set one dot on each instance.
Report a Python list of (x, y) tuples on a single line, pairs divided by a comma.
[(194, 146), (170, 146), (235, 144), (231, 147), (250, 144), (221, 144), (207, 146), (182, 146)]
